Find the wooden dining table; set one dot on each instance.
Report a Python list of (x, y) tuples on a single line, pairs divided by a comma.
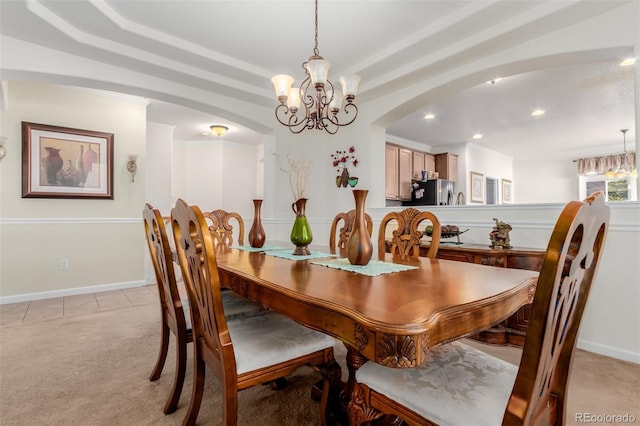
[(392, 319)]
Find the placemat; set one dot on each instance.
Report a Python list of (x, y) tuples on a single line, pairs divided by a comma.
[(373, 268), (288, 254), (263, 248)]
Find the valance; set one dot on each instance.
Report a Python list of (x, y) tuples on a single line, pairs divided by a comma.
[(600, 165)]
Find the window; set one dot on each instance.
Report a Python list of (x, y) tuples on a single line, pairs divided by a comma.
[(614, 189)]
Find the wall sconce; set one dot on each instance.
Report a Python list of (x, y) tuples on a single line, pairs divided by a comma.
[(132, 166), (3, 150), (218, 129)]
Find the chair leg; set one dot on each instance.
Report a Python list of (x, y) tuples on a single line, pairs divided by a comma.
[(162, 356), (178, 381), (230, 403), (198, 387)]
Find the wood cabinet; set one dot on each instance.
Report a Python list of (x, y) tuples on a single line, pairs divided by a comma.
[(512, 331), (447, 166), (430, 162), (391, 172), (418, 164), (398, 170)]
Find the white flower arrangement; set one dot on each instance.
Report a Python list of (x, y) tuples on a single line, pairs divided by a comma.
[(298, 168)]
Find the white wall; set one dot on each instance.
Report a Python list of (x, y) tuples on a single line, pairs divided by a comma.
[(103, 240), (544, 181)]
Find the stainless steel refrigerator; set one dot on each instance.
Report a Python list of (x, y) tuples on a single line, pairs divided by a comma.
[(432, 192)]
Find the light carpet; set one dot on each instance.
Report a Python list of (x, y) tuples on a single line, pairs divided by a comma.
[(93, 369)]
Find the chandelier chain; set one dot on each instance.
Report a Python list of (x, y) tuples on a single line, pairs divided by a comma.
[(316, 103), (316, 52)]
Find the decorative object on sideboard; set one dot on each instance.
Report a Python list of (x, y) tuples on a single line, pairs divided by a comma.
[(132, 166), (322, 101), (341, 160), (256, 233), (499, 236), (446, 231), (359, 245), (301, 235), (218, 129)]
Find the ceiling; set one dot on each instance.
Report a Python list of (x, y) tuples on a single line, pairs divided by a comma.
[(228, 50)]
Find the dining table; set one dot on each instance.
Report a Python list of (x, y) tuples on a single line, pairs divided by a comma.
[(391, 311)]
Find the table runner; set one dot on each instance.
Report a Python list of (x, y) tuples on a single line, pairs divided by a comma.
[(373, 268), (288, 254)]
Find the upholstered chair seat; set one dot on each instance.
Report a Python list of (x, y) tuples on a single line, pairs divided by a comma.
[(456, 385), (269, 339)]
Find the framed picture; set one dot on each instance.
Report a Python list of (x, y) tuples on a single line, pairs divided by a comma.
[(59, 162), (507, 191), (477, 190)]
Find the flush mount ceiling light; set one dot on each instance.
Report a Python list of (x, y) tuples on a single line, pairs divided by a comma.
[(538, 112), (218, 129), (477, 136), (429, 117), (322, 102), (627, 62), (624, 169)]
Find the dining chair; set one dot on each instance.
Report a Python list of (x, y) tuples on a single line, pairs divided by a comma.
[(242, 352), (174, 308), (406, 237), (460, 385), (219, 224), (345, 232)]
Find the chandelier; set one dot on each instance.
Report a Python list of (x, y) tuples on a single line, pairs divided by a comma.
[(321, 100), (625, 169)]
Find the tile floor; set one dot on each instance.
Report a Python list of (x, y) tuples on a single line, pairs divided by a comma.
[(47, 309)]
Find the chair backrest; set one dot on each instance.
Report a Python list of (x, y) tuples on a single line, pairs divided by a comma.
[(219, 222), (196, 255), (405, 240), (349, 219), (162, 260), (568, 268)]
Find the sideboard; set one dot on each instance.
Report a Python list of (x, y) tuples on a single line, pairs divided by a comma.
[(512, 331)]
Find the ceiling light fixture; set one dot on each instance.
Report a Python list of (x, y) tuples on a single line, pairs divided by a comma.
[(477, 136), (538, 112), (627, 62), (494, 81), (322, 102), (218, 129), (623, 170), (429, 117)]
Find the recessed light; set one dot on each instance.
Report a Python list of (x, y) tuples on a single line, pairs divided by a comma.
[(627, 62), (538, 112), (477, 136), (429, 117)]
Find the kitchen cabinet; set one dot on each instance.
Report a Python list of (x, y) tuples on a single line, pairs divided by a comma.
[(447, 166), (398, 170), (430, 162), (418, 164), (422, 161)]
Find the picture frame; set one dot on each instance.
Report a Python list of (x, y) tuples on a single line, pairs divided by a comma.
[(507, 191), (62, 162), (477, 187)]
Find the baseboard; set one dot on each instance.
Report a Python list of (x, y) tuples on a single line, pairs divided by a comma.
[(69, 292), (609, 351)]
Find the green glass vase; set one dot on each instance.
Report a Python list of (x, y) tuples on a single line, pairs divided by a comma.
[(301, 235)]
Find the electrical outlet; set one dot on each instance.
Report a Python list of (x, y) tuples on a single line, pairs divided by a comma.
[(64, 264)]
